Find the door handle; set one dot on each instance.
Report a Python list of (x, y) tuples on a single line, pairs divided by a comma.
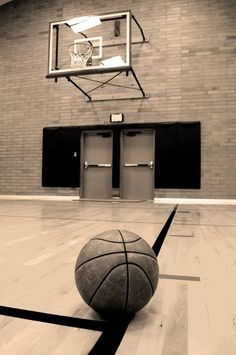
[(87, 165), (131, 165), (149, 165), (103, 165)]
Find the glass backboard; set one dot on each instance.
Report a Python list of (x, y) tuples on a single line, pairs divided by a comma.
[(90, 44)]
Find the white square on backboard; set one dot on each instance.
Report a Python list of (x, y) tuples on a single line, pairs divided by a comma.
[(96, 42)]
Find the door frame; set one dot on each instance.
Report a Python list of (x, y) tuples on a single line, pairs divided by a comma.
[(138, 129), (82, 154)]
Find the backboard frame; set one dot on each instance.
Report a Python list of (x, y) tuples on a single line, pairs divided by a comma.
[(55, 72)]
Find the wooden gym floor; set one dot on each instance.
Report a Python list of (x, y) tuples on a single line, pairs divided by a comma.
[(192, 312)]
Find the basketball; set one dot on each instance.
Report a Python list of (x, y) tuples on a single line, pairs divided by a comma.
[(116, 272)]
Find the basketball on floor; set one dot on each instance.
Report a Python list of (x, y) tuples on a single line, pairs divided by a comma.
[(116, 272)]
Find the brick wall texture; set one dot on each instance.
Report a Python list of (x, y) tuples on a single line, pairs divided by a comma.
[(188, 68)]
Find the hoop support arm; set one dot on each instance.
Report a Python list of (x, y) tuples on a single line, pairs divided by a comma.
[(137, 81), (107, 82), (78, 87), (141, 30)]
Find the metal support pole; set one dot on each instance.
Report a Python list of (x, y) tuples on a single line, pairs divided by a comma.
[(141, 30), (105, 82), (56, 49), (137, 81), (78, 87)]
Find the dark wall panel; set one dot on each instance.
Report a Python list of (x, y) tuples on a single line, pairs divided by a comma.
[(177, 154), (61, 157), (189, 155), (166, 155)]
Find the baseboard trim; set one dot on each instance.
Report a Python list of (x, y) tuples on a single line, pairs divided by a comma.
[(196, 201), (39, 197), (188, 201)]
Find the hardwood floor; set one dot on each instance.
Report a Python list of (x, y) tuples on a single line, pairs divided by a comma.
[(193, 311)]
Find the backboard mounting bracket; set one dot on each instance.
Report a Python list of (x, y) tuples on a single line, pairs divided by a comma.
[(141, 30), (101, 83), (78, 87)]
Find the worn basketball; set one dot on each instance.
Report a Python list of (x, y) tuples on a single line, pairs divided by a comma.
[(116, 272)]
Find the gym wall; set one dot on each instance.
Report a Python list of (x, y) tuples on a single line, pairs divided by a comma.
[(188, 68)]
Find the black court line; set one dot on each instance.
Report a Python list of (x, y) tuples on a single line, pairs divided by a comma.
[(110, 339), (54, 319), (161, 237), (179, 277), (112, 331)]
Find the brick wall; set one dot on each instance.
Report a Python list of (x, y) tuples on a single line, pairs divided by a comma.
[(188, 68)]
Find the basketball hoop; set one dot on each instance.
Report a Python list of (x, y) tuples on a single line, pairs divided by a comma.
[(80, 53)]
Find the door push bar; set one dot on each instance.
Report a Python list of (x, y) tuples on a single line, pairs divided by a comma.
[(150, 165), (87, 165)]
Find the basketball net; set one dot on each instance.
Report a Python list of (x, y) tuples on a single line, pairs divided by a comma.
[(80, 53)]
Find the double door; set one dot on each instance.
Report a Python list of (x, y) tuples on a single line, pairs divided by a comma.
[(136, 164)]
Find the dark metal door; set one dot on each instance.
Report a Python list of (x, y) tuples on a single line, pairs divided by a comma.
[(96, 169), (137, 164)]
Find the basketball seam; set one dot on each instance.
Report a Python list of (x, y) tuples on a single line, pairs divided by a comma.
[(141, 253), (111, 241), (115, 252), (99, 256), (127, 273), (101, 282), (110, 271), (144, 274)]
